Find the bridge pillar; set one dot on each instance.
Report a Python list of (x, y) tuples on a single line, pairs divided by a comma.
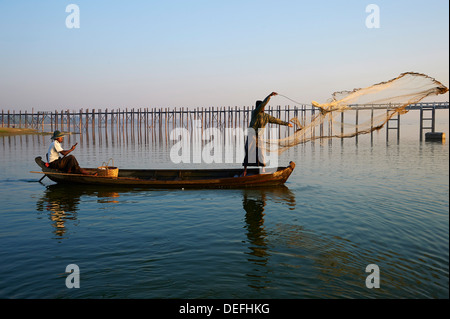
[(424, 121)]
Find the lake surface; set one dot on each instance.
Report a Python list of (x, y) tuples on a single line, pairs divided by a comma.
[(347, 205)]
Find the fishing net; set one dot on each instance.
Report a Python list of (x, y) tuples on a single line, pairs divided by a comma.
[(374, 105)]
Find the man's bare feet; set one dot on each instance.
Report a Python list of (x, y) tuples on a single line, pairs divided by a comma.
[(85, 172)]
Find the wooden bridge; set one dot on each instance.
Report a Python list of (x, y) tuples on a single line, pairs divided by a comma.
[(159, 121)]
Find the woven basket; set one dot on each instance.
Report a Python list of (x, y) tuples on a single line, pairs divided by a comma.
[(108, 171)]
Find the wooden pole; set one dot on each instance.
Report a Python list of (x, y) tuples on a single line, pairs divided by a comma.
[(387, 127), (166, 124), (73, 121), (106, 124), (93, 125), (371, 125), (124, 125), (62, 120), (68, 120), (80, 120), (112, 126)]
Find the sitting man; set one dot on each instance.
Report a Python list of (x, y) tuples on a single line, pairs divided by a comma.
[(67, 164)]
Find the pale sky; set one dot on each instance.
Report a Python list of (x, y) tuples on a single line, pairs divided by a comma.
[(193, 53)]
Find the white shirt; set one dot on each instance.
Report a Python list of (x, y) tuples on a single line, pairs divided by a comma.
[(53, 151)]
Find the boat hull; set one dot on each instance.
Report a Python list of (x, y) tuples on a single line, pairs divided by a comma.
[(182, 178)]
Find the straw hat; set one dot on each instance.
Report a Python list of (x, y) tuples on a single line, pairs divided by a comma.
[(57, 134)]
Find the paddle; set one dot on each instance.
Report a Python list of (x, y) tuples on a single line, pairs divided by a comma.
[(42, 178)]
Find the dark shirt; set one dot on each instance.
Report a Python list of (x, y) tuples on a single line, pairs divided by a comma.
[(260, 119)]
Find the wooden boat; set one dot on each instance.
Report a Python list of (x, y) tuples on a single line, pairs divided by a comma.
[(175, 178)]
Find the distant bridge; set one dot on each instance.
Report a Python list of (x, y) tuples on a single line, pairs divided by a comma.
[(159, 121), (435, 105), (417, 106)]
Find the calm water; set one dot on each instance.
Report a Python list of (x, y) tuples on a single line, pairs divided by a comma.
[(347, 205)]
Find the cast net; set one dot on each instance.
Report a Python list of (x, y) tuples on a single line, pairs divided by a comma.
[(380, 103)]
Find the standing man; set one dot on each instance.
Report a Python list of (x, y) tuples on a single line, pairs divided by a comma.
[(254, 156), (67, 164)]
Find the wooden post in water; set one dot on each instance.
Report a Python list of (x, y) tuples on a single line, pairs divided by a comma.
[(131, 118), (32, 117), (99, 125), (124, 125), (330, 128), (93, 125), (80, 121), (166, 124), (106, 125), (132, 124), (139, 124), (159, 126), (219, 116), (182, 116), (387, 126), (174, 112), (62, 120), (147, 124), (73, 122), (371, 125), (87, 123), (209, 117), (118, 127), (286, 118), (68, 120), (279, 116), (153, 123), (143, 124), (112, 126)]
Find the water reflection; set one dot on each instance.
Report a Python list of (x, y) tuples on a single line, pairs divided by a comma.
[(254, 203), (254, 219), (303, 255), (62, 204)]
